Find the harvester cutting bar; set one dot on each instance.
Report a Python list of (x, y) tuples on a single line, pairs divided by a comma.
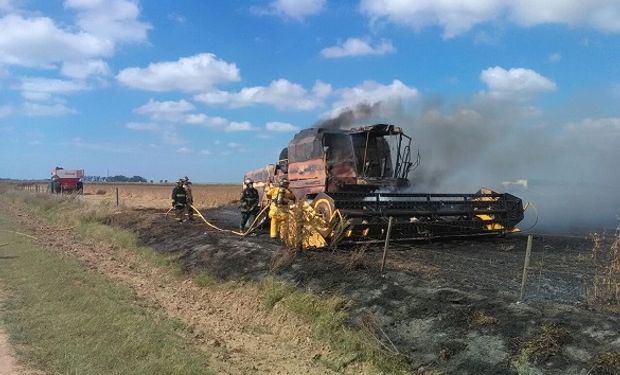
[(429, 215)]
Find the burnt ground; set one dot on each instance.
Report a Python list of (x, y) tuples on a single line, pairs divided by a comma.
[(449, 305)]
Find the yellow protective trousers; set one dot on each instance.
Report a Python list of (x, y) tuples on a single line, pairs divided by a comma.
[(277, 216)]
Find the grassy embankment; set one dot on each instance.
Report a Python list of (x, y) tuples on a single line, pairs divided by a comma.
[(63, 318), (326, 316)]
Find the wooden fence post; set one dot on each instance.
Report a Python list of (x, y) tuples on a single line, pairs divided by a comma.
[(387, 243), (526, 265), (117, 200)]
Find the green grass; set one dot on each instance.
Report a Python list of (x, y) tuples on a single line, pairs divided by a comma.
[(88, 221), (547, 343), (65, 319), (328, 319)]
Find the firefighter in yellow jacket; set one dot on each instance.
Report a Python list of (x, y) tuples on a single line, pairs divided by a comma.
[(281, 197)]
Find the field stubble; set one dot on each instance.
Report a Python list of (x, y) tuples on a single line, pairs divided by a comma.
[(159, 196)]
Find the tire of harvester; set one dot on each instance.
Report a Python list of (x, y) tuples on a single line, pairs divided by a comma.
[(324, 205)]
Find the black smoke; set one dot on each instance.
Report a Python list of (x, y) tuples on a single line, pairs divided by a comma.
[(347, 118), (570, 168)]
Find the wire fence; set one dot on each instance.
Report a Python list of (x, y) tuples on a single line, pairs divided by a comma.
[(562, 268)]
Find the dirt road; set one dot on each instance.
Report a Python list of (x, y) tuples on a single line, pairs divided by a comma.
[(8, 363)]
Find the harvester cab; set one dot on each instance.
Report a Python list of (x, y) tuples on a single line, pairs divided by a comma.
[(361, 159)]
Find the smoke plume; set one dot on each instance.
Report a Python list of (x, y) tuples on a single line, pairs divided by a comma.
[(567, 170), (347, 117)]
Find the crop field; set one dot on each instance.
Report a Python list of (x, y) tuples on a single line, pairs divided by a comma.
[(136, 195), (439, 307), (158, 196)]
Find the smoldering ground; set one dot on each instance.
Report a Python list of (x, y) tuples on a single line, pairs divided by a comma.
[(568, 170)]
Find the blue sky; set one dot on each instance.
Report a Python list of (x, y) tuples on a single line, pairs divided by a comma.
[(210, 89)]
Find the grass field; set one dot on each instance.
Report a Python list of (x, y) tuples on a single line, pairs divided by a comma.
[(157, 196), (67, 319)]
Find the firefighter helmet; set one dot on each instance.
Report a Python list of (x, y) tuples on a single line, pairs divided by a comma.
[(248, 181)]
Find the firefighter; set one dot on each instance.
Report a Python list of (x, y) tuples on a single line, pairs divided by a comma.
[(55, 185), (187, 185), (281, 197), (179, 200), (248, 204)]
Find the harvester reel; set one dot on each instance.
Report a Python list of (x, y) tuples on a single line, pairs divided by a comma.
[(324, 205)]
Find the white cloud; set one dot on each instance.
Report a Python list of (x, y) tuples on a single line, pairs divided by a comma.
[(216, 122), (280, 127), (296, 10), (38, 42), (37, 109), (321, 90), (372, 93), (515, 83), (165, 115), (358, 47), (205, 152), (457, 17), (554, 57), (603, 15), (142, 126), (281, 94), (84, 69), (80, 48), (454, 16), (160, 111), (184, 150), (116, 20), (5, 110), (243, 126), (34, 88), (194, 73), (233, 145), (204, 120), (165, 111)]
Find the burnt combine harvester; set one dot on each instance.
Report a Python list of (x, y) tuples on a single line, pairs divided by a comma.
[(357, 177)]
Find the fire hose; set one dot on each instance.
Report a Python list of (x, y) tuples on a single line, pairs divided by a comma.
[(252, 227)]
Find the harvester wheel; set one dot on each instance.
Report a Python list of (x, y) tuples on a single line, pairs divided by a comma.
[(324, 206)]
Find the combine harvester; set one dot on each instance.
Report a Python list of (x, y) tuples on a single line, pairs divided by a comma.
[(357, 179)]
